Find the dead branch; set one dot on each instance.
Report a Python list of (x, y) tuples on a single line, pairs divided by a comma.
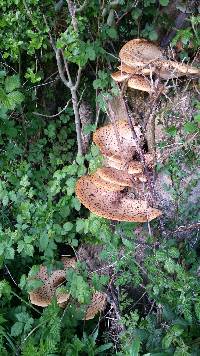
[(67, 81)]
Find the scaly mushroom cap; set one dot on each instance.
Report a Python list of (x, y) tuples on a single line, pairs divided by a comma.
[(131, 70), (100, 182), (114, 176), (185, 69), (107, 141), (140, 83), (113, 205), (139, 52), (119, 76), (97, 305), (168, 69), (133, 166), (68, 262), (43, 295)]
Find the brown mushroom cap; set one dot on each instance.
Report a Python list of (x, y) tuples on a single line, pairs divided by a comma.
[(140, 83), (115, 176), (113, 205), (133, 166), (106, 139), (139, 52), (43, 295), (119, 76), (100, 182), (182, 68), (98, 304)]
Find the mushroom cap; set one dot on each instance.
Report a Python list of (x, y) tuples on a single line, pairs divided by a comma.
[(43, 295), (133, 166), (139, 52), (68, 262), (119, 76), (140, 83), (185, 69), (100, 182), (107, 141), (113, 205), (98, 304), (115, 176)]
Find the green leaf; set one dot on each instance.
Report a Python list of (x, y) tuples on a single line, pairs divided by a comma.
[(17, 328), (164, 2), (167, 340), (80, 225), (135, 348), (112, 33), (15, 98), (170, 266), (12, 83), (103, 348), (190, 127), (68, 226), (197, 118)]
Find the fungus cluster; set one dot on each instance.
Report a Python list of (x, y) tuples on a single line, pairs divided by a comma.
[(140, 58), (43, 295), (106, 192)]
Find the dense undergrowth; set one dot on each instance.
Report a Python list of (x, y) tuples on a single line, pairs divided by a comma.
[(152, 280)]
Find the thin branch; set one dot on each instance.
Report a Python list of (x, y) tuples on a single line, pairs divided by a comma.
[(67, 69), (55, 115), (78, 78), (72, 12), (60, 69), (81, 7)]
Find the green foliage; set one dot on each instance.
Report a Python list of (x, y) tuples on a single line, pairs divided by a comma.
[(39, 168)]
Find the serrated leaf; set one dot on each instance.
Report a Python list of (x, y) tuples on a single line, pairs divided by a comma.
[(12, 83), (17, 328), (15, 98)]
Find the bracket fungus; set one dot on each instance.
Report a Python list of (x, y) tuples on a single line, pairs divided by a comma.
[(142, 57), (113, 205), (100, 182), (43, 295), (98, 304), (140, 83), (139, 52), (113, 139), (115, 176), (120, 76)]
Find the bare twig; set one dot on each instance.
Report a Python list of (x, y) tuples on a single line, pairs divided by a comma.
[(55, 115), (188, 227)]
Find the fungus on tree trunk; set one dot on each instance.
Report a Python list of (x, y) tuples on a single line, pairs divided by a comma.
[(113, 205)]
